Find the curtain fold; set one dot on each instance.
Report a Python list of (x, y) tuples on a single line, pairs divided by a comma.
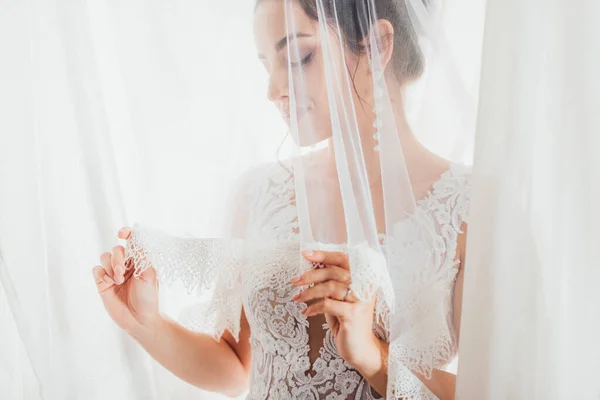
[(531, 305), (72, 130), (92, 91)]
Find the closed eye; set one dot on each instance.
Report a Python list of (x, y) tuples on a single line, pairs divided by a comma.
[(304, 61)]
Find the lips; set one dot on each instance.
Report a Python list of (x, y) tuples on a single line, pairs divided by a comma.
[(300, 112)]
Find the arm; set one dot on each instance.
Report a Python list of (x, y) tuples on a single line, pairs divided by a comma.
[(442, 384), (128, 287), (197, 358)]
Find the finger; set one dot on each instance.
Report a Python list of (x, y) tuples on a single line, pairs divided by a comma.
[(118, 263), (328, 257), (128, 274), (339, 309), (124, 233), (318, 275), (331, 289), (149, 275), (105, 260), (103, 281), (332, 322)]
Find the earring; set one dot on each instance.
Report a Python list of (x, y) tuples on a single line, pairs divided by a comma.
[(377, 107)]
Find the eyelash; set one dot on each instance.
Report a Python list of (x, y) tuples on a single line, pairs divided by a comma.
[(304, 61)]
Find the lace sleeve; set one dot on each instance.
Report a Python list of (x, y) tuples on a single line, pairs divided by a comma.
[(426, 339), (402, 383), (210, 267), (203, 266), (463, 196)]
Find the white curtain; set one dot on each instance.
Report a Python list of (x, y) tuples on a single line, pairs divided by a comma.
[(531, 306), (96, 99)]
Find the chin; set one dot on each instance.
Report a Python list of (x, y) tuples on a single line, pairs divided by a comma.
[(312, 132)]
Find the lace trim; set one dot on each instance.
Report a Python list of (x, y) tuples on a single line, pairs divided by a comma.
[(424, 338), (201, 265), (206, 263), (196, 262), (402, 383)]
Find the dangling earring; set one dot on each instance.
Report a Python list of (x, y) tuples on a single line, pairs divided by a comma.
[(377, 107)]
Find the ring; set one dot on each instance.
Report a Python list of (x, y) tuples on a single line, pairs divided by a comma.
[(347, 293)]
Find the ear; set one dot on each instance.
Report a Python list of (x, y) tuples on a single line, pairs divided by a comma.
[(385, 41), (384, 35)]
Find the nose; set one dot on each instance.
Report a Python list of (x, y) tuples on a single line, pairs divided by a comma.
[(278, 86)]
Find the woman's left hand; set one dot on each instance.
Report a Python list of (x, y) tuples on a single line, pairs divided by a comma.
[(351, 321)]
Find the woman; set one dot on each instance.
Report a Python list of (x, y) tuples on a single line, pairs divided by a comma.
[(310, 336)]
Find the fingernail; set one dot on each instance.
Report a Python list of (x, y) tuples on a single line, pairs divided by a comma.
[(308, 253), (118, 279), (120, 269), (295, 297)]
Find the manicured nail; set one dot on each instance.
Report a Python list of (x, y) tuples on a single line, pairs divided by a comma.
[(119, 279), (308, 253)]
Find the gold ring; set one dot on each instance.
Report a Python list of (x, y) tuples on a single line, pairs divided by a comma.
[(347, 293)]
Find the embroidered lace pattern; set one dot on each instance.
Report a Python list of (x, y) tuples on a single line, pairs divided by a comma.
[(255, 274)]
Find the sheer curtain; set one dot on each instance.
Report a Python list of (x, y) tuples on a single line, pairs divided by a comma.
[(531, 310), (97, 98)]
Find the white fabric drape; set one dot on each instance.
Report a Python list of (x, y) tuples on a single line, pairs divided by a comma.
[(82, 82), (531, 311), (90, 92)]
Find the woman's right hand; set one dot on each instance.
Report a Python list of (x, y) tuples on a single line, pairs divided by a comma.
[(132, 303)]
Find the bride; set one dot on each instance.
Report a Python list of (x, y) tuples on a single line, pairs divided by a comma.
[(291, 332)]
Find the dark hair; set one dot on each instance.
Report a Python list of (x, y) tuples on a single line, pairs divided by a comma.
[(355, 21)]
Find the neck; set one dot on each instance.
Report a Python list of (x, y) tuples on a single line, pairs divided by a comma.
[(421, 164)]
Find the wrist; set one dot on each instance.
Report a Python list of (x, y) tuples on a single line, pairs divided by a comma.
[(147, 330), (375, 359)]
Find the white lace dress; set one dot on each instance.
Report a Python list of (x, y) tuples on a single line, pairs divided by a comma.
[(294, 357)]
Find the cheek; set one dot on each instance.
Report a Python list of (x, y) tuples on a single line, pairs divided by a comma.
[(321, 111), (363, 97), (320, 100), (317, 124), (363, 85)]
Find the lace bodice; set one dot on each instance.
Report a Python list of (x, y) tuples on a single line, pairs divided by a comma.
[(294, 357)]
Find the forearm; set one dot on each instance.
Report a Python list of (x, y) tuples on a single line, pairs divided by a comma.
[(194, 357), (374, 369)]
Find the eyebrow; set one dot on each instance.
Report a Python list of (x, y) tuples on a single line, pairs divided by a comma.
[(285, 41)]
